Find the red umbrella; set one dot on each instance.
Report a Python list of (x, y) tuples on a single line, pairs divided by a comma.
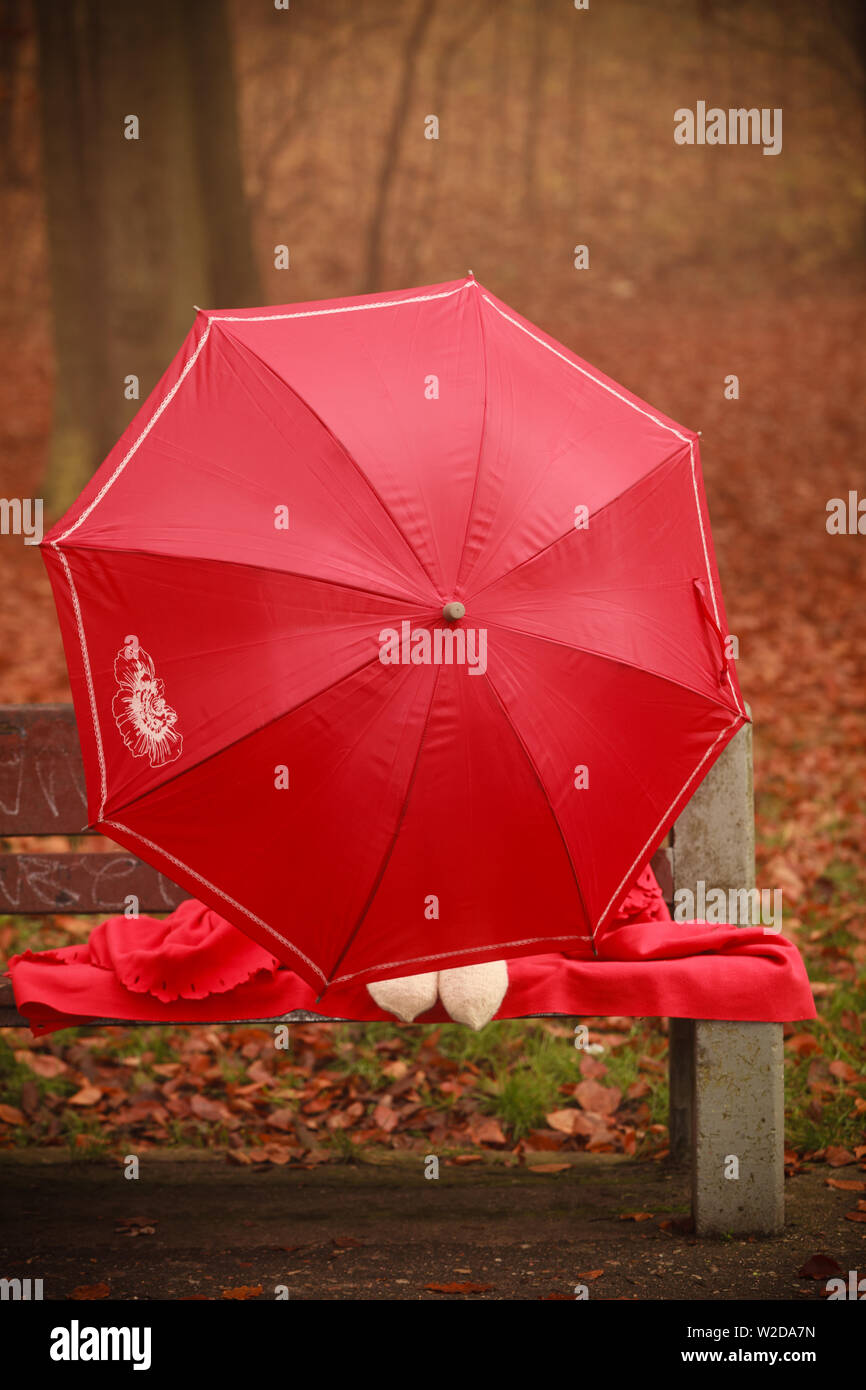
[(394, 632)]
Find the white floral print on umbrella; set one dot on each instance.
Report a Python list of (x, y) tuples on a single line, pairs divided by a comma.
[(145, 721)]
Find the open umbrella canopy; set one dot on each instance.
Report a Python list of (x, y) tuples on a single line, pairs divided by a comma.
[(394, 632)]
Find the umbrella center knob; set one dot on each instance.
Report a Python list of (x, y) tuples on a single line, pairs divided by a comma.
[(453, 612)]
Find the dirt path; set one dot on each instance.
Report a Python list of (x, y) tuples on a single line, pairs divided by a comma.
[(383, 1231)]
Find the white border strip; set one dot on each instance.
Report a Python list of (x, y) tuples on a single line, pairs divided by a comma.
[(55, 546), (340, 979), (661, 823), (118, 825), (462, 951), (709, 575), (239, 318), (89, 678), (144, 433), (656, 421), (584, 372), (343, 309)]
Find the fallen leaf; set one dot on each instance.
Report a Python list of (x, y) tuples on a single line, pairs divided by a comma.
[(593, 1127), (90, 1291), (543, 1140), (548, 1167), (845, 1071), (486, 1129), (281, 1119), (636, 1216), (42, 1063), (846, 1184), (385, 1116), (818, 1267), (601, 1141), (592, 1069), (838, 1157), (562, 1120), (10, 1115), (205, 1109), (88, 1095), (277, 1152), (243, 1291), (603, 1100)]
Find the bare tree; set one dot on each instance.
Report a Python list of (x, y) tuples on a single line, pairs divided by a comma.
[(12, 31), (393, 143), (536, 97), (448, 52), (138, 229)]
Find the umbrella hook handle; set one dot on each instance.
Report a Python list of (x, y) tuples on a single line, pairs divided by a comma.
[(711, 619)]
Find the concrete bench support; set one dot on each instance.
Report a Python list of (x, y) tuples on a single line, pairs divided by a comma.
[(739, 1118), (733, 1072)]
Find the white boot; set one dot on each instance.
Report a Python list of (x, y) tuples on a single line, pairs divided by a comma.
[(406, 997), (473, 993)]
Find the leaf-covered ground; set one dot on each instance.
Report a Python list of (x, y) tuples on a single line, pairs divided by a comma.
[(194, 1228)]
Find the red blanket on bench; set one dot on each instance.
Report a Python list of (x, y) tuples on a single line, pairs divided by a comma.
[(194, 967)]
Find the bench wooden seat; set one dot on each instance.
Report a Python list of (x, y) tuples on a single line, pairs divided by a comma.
[(726, 1079)]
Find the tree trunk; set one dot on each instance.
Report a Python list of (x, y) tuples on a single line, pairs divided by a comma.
[(393, 142), (138, 230), (535, 100)]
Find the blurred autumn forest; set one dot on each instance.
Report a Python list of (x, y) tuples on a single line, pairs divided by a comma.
[(305, 127)]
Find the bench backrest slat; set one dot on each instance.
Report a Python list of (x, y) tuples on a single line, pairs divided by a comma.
[(42, 792), (37, 884), (42, 788)]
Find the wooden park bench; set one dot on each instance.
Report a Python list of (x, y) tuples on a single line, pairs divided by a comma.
[(726, 1078)]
